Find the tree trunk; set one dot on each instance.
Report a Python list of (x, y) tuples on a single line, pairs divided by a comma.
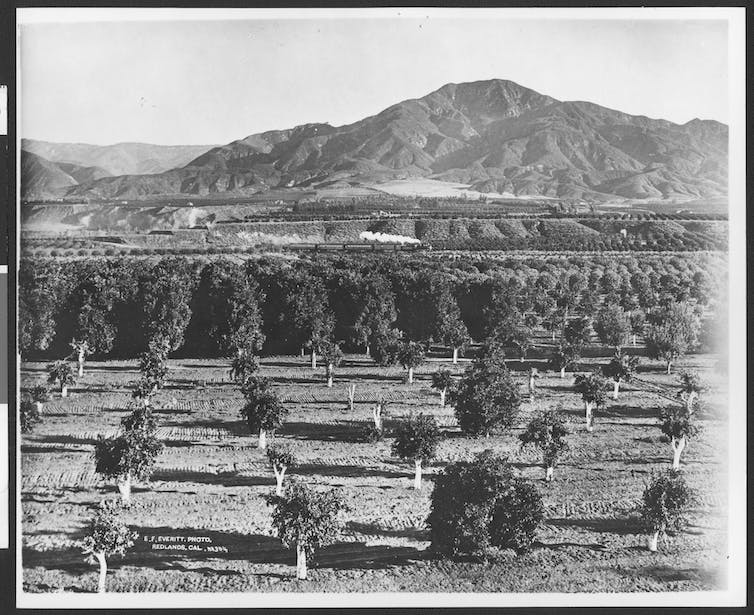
[(368, 353), (616, 388), (689, 401), (548, 473), (652, 541), (279, 476), (314, 359), (351, 395), (562, 372), (102, 571), (531, 386), (329, 376), (633, 339), (300, 562), (442, 397), (124, 486), (39, 406), (81, 363), (678, 446), (553, 336), (262, 444), (410, 375), (455, 356), (64, 390), (418, 474), (588, 414), (668, 372), (377, 414)]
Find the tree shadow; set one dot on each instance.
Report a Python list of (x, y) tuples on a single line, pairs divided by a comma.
[(339, 431), (296, 380), (372, 529), (348, 471), (630, 412), (165, 548), (593, 546), (29, 449), (64, 439), (224, 479), (602, 525)]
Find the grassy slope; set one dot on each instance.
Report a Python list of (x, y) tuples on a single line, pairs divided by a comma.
[(211, 481)]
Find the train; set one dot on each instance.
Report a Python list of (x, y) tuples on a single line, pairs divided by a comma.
[(372, 246)]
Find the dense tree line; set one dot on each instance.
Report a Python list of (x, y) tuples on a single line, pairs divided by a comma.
[(222, 307)]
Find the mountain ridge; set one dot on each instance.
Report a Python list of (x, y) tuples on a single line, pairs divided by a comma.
[(493, 135)]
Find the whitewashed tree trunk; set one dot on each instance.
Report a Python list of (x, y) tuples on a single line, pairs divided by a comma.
[(548, 473), (553, 336), (39, 406), (588, 416), (279, 476), (443, 392), (418, 474), (64, 390), (377, 414), (652, 541), (124, 486), (455, 356), (102, 571), (633, 339), (669, 363), (314, 359), (562, 372), (300, 562), (410, 375), (616, 388), (368, 353), (329, 375), (690, 401), (302, 351), (678, 446), (531, 385), (81, 362), (351, 396), (262, 444)]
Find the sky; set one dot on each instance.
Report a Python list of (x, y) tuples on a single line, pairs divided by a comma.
[(211, 82)]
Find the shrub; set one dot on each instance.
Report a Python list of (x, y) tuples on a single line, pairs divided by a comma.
[(442, 381), (480, 504), (417, 439), (677, 426), (664, 503), (106, 536), (593, 389), (487, 398), (130, 455), (243, 366), (411, 355), (62, 373), (263, 410), (547, 432), (306, 520), (28, 415)]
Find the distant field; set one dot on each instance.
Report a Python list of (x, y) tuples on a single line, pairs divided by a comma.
[(211, 481)]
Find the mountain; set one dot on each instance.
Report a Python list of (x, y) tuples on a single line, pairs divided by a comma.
[(118, 159), (495, 136)]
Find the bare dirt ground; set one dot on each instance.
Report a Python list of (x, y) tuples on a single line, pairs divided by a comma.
[(211, 481)]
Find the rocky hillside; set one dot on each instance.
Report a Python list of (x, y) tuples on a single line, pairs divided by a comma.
[(496, 136)]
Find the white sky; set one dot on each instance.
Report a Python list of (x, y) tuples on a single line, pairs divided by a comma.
[(202, 82)]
